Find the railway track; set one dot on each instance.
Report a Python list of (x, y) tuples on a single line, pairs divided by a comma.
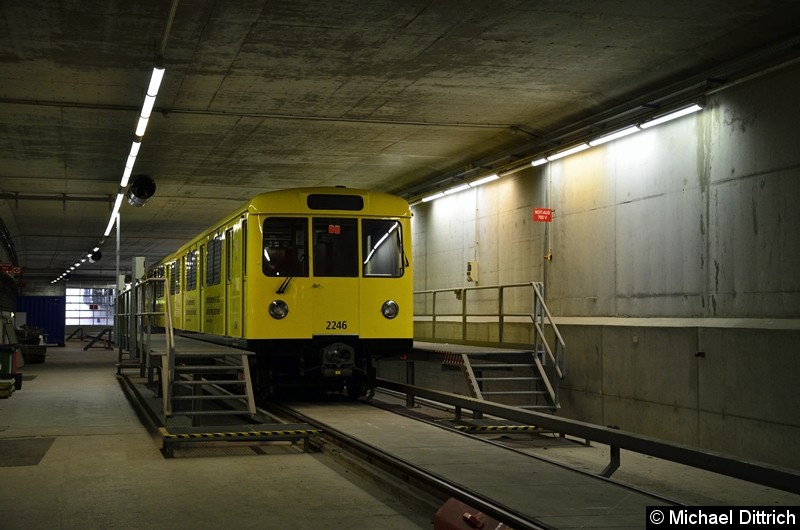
[(426, 487), (424, 464)]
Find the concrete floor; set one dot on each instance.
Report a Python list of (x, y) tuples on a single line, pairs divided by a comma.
[(100, 468), (104, 470)]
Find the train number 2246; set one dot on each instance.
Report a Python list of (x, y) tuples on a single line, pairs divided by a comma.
[(336, 324)]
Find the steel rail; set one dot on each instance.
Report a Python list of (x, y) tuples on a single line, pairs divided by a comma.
[(411, 473), (757, 472)]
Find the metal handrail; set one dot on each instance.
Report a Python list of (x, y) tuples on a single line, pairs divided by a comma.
[(541, 318), (749, 470)]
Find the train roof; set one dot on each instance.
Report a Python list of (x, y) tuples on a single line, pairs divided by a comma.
[(295, 201), (333, 199)]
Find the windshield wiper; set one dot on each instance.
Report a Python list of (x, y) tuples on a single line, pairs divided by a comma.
[(284, 285)]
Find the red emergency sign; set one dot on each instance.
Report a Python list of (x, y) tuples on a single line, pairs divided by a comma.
[(543, 215)]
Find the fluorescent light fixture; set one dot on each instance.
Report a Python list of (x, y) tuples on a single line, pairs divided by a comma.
[(147, 107), (462, 187), (135, 146), (110, 225), (615, 135), (141, 126), (126, 176), (567, 152), (484, 180), (118, 203), (433, 197), (149, 100), (671, 116), (114, 213), (539, 162), (155, 81)]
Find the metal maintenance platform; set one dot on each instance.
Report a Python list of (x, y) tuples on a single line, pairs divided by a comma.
[(201, 393)]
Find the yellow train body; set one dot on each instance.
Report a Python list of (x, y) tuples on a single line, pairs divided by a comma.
[(316, 281)]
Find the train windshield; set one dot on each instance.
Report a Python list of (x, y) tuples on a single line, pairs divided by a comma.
[(382, 248), (335, 247), (285, 240)]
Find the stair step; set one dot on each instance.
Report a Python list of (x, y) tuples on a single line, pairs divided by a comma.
[(515, 393), (478, 366), (200, 368), (207, 398), (211, 382), (508, 378), (209, 412)]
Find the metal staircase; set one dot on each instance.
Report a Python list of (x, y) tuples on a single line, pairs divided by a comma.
[(521, 375), (195, 378), (204, 379)]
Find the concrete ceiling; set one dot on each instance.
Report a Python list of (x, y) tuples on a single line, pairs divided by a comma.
[(259, 95)]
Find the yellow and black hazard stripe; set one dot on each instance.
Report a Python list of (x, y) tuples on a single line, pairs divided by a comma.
[(495, 428), (238, 435)]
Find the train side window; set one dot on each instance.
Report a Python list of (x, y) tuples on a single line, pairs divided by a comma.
[(244, 248), (228, 252), (285, 242), (159, 286), (335, 247), (214, 262), (382, 248), (175, 277), (191, 270)]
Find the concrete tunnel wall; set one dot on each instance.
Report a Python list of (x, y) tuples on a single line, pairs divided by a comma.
[(674, 272)]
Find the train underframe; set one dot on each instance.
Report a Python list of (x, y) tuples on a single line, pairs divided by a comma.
[(321, 365)]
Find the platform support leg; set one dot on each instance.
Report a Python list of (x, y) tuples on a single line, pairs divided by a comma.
[(613, 464), (410, 400)]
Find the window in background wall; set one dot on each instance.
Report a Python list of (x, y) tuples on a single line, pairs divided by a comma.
[(90, 307)]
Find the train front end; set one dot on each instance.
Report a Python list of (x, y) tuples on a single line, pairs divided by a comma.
[(331, 286)]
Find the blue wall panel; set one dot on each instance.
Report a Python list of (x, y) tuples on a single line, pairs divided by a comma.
[(46, 312)]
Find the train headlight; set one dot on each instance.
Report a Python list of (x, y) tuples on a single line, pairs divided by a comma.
[(390, 309), (278, 309)]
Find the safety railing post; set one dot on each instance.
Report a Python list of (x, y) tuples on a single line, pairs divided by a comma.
[(433, 316), (501, 313), (464, 314)]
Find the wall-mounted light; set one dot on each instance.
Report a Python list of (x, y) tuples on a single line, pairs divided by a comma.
[(571, 151), (433, 197), (671, 116), (484, 180), (451, 191), (614, 135)]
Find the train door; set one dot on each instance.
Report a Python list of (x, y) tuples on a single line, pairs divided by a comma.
[(191, 317), (233, 280), (201, 282), (335, 286), (176, 309), (214, 298)]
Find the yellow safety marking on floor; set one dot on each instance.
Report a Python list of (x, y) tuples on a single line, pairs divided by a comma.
[(248, 434), (496, 428)]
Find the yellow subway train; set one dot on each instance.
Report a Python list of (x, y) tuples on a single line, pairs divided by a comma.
[(316, 281)]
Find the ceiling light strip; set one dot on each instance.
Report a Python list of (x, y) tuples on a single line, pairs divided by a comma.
[(600, 140), (144, 116)]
